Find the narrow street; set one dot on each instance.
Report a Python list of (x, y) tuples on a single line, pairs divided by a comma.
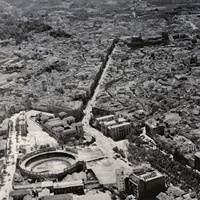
[(11, 159)]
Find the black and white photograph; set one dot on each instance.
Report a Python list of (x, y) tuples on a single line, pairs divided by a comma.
[(99, 99)]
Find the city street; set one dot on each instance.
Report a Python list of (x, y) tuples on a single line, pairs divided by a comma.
[(11, 159), (105, 169)]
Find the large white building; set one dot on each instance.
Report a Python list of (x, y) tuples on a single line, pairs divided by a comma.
[(112, 126), (23, 124), (120, 178)]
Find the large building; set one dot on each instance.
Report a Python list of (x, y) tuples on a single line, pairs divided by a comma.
[(153, 127), (3, 148), (4, 128), (61, 127), (145, 183), (112, 126), (197, 160), (23, 124), (58, 197), (58, 189), (120, 178)]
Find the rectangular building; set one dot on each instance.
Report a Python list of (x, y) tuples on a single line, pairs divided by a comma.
[(197, 161), (3, 149), (145, 183), (4, 128), (23, 124), (119, 131), (153, 127), (120, 178), (75, 187)]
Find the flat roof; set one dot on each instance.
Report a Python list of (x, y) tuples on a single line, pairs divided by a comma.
[(152, 123), (58, 128), (68, 184), (104, 117), (68, 131), (197, 154), (110, 123), (53, 119), (22, 117), (62, 113), (2, 144), (46, 184), (22, 122), (18, 192), (70, 117), (28, 186), (151, 175), (4, 124), (119, 125), (121, 119), (54, 123), (57, 197), (147, 174)]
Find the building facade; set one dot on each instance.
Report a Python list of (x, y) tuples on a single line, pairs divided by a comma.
[(197, 161), (145, 183), (23, 124), (3, 148), (4, 128), (62, 128), (120, 178), (112, 126)]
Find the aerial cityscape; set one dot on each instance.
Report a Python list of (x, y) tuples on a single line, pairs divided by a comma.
[(99, 100)]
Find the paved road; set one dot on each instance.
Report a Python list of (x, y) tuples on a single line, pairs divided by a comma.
[(104, 143), (10, 161)]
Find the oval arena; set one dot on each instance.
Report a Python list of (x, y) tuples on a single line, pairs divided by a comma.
[(49, 163)]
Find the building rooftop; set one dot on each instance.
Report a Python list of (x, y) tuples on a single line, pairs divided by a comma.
[(152, 123), (22, 117), (20, 192), (22, 122), (109, 123), (197, 154), (121, 119), (46, 184), (147, 174), (104, 117), (4, 124), (120, 125), (58, 197), (54, 123), (68, 184), (120, 171), (2, 144), (58, 129), (62, 114), (69, 131), (53, 119), (75, 176)]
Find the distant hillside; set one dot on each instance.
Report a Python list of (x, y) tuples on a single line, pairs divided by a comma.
[(8, 9), (165, 2)]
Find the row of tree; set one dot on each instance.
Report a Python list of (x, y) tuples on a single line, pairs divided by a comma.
[(176, 173)]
